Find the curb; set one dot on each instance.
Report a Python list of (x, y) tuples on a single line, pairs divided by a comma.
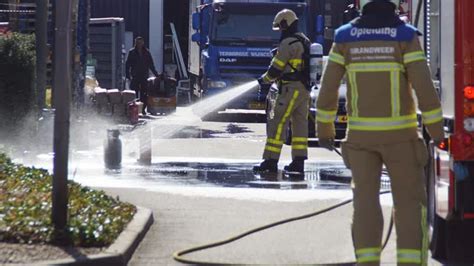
[(121, 251)]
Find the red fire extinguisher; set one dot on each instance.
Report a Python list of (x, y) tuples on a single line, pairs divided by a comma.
[(133, 112)]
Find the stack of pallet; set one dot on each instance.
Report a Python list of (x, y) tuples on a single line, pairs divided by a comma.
[(113, 103)]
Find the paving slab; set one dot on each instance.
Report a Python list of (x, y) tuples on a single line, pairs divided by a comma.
[(121, 251)]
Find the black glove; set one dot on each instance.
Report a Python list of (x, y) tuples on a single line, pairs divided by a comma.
[(327, 143), (260, 81)]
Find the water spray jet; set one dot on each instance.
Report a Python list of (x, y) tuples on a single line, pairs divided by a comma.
[(165, 127), (145, 146)]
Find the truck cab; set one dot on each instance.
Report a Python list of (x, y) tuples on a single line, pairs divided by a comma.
[(232, 43)]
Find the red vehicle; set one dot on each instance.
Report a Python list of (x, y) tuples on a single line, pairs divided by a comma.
[(4, 28), (449, 42)]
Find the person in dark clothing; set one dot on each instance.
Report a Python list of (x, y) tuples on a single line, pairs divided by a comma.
[(139, 63)]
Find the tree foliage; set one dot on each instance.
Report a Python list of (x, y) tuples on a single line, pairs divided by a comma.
[(17, 73)]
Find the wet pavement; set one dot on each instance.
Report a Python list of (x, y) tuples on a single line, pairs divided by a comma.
[(235, 175), (87, 165), (201, 188), (207, 173), (189, 132)]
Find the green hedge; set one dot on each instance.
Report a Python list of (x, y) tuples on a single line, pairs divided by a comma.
[(95, 219), (17, 73)]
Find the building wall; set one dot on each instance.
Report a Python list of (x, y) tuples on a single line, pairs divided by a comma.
[(156, 32), (135, 13), (142, 18), (178, 13)]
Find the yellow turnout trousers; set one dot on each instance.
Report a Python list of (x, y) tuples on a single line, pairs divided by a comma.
[(404, 162), (292, 104)]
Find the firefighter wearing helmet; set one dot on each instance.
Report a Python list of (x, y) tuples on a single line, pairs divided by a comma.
[(288, 70), (384, 63)]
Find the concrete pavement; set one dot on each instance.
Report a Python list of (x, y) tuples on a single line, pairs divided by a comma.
[(186, 218), (191, 215), (183, 221)]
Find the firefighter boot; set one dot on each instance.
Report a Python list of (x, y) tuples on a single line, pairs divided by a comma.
[(296, 166), (268, 165)]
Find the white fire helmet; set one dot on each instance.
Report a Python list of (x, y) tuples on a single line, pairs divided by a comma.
[(284, 19), (365, 2)]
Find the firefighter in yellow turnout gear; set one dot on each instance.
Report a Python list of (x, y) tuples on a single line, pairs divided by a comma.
[(293, 100), (383, 63)]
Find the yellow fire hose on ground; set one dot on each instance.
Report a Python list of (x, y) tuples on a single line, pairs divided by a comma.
[(178, 256)]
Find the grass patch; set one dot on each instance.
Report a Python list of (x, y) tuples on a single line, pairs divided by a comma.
[(95, 219)]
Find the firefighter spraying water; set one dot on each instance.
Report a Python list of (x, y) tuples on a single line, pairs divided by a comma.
[(378, 50), (290, 70)]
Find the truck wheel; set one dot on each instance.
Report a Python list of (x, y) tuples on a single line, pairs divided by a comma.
[(431, 185), (196, 89), (438, 239), (288, 135), (311, 126), (437, 226)]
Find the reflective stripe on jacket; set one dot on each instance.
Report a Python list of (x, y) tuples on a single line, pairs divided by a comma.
[(288, 59), (382, 68)]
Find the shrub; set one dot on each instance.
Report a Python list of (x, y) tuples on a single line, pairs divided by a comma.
[(95, 219), (17, 66)]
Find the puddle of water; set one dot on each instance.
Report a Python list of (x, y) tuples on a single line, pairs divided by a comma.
[(195, 132), (200, 133), (87, 164), (236, 175), (226, 174), (236, 129)]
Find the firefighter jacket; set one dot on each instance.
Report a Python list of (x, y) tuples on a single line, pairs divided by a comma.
[(287, 61), (382, 67)]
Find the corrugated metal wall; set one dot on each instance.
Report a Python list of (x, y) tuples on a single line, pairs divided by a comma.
[(135, 12), (136, 15), (106, 39)]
